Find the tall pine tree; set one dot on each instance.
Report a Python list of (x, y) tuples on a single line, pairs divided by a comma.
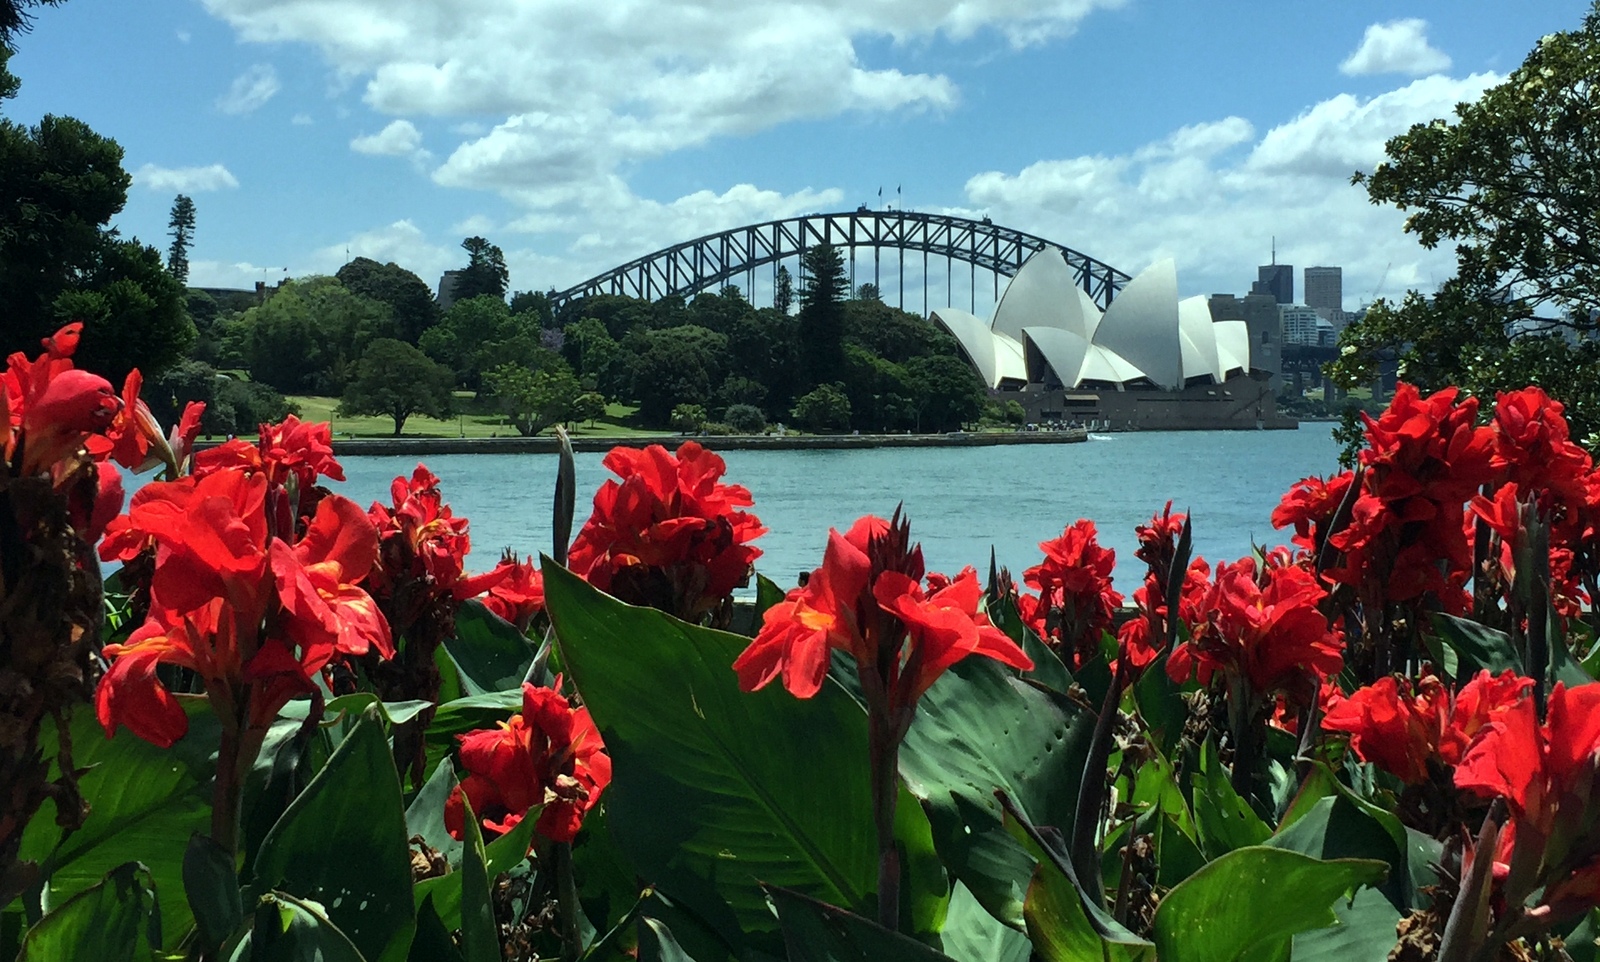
[(486, 271), (181, 226), (822, 315)]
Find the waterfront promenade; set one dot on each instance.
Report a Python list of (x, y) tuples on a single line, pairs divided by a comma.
[(546, 444)]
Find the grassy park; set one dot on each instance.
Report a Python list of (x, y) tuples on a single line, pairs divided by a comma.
[(476, 418)]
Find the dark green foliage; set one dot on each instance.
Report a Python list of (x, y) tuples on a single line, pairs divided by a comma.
[(535, 302), (825, 409), (132, 310), (1510, 183), (946, 392), (408, 296), (783, 291), (240, 406), (395, 380), (745, 418), (307, 336), (181, 226), (689, 418), (480, 334), (677, 365), (534, 400), (485, 274), (822, 315)]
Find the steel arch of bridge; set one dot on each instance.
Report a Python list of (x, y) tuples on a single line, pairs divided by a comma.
[(708, 262)]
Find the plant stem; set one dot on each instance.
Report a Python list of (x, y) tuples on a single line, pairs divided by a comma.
[(884, 749), (226, 794), (567, 902)]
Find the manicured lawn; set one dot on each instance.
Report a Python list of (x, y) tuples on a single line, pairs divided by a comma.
[(476, 419)]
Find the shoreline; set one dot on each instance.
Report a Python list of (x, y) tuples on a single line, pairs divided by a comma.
[(380, 447)]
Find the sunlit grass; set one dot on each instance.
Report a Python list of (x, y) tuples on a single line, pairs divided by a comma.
[(476, 419)]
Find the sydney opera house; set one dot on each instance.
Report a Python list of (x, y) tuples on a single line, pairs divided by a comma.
[(1148, 362)]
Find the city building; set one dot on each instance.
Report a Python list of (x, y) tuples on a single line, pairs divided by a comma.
[(1299, 324), (447, 288), (1277, 280), (1149, 361), (1325, 290)]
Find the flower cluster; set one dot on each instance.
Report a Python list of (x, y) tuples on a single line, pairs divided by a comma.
[(1412, 730), (1076, 602), (669, 534), (549, 755), (867, 599)]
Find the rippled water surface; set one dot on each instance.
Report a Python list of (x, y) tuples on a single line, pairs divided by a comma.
[(960, 500)]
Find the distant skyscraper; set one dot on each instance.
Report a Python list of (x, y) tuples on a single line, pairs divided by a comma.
[(1325, 289), (1277, 280), (1300, 324)]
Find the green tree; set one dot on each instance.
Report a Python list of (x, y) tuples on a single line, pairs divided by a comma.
[(308, 335), (745, 418), (946, 392), (782, 290), (15, 19), (485, 273), (534, 400), (537, 302), (868, 292), (1511, 183), (676, 366), (393, 379), (408, 296), (60, 185), (588, 347), (589, 406), (180, 225), (822, 315), (132, 309), (688, 418), (825, 408)]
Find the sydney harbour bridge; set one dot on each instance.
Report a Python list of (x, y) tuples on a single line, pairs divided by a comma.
[(875, 243)]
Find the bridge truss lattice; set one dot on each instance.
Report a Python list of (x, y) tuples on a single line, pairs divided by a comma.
[(709, 262)]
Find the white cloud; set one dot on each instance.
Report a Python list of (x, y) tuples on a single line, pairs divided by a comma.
[(250, 90), (301, 120), (185, 180), (1399, 46), (183, 36), (1212, 196), (620, 84), (400, 139), (401, 242)]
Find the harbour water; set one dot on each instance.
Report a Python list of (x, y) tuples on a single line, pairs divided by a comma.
[(961, 501)]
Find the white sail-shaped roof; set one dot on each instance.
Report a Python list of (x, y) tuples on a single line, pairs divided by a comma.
[(1042, 288), (1233, 346), (1141, 325), (997, 358), (1198, 338), (1063, 350)]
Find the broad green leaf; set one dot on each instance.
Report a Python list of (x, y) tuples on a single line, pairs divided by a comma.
[(287, 929), (1060, 928), (491, 654), (1365, 932), (1047, 667), (480, 938), (657, 944), (1161, 704), (1249, 904), (211, 883), (432, 942), (814, 931), (461, 715), (1477, 646), (144, 803), (608, 887), (1055, 872), (392, 712), (1336, 828), (106, 922), (978, 729), (288, 760), (1225, 821), (1155, 787), (759, 785), (342, 844), (425, 814), (971, 934), (924, 885)]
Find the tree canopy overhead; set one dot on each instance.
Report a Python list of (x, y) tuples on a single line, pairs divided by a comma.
[(485, 272), (1511, 182), (408, 296)]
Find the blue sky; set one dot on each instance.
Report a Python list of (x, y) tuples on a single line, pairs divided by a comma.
[(577, 134)]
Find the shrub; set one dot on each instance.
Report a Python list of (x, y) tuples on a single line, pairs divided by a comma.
[(745, 419)]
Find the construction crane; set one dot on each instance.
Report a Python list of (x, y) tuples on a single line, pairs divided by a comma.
[(1378, 286)]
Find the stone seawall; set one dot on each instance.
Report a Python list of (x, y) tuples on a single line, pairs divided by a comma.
[(413, 447)]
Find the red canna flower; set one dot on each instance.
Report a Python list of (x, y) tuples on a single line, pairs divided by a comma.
[(422, 539), (254, 616), (1141, 636), (1408, 730), (550, 755), (1075, 594), (1309, 507), (293, 449), (1533, 451), (1543, 771), (867, 599), (668, 534), (1265, 631), (520, 595), (54, 405)]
